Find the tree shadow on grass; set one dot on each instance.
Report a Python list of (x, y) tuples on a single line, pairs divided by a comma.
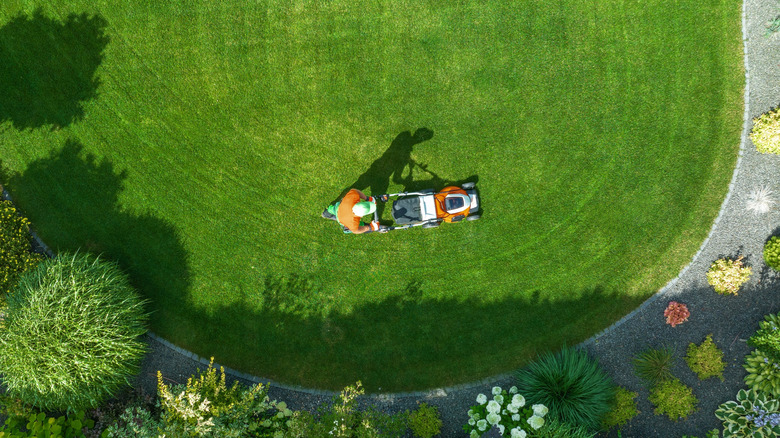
[(48, 68), (71, 199), (403, 342)]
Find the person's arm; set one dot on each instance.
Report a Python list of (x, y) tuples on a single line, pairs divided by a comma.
[(373, 226), (362, 195)]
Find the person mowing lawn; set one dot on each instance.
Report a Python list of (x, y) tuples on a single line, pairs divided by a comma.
[(351, 209)]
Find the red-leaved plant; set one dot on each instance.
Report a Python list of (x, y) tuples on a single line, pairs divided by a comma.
[(676, 313)]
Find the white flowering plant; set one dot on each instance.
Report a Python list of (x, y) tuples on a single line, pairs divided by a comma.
[(508, 411)]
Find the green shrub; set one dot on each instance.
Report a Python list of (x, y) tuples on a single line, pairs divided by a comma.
[(425, 421), (135, 422), (767, 337), (557, 429), (72, 335), (571, 385), (40, 425), (706, 360), (763, 373), (623, 410), (654, 365), (766, 132), (672, 398), (753, 414), (16, 254), (343, 419), (772, 253), (727, 276), (206, 406)]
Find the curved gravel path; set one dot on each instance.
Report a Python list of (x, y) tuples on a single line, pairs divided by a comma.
[(730, 319)]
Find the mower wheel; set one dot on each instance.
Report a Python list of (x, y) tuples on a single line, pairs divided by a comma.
[(468, 185), (472, 217), (431, 225)]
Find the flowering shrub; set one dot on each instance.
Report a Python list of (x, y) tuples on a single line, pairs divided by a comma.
[(508, 411), (766, 132), (706, 360), (767, 337), (207, 406), (15, 249), (676, 313), (753, 414), (772, 253), (673, 398), (727, 276), (763, 373)]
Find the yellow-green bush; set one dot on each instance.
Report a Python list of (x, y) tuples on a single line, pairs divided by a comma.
[(766, 132), (15, 249)]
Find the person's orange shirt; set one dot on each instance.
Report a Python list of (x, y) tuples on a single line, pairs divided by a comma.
[(345, 215)]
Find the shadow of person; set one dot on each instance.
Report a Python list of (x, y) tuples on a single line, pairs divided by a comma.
[(389, 167), (48, 68)]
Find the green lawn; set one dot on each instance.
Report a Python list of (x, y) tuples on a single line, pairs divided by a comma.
[(197, 142)]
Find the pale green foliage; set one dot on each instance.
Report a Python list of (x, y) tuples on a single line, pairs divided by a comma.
[(672, 398), (727, 276), (744, 417), (425, 421), (706, 360), (206, 406), (763, 373), (766, 132), (342, 419), (72, 333), (623, 410), (135, 422)]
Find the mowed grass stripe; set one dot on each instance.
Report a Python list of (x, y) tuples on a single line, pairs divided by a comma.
[(603, 136)]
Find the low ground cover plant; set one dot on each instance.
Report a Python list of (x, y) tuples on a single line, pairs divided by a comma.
[(763, 373), (752, 414), (72, 333), (16, 254), (623, 409), (673, 398), (508, 411), (571, 384), (767, 337), (772, 253), (425, 422), (706, 359), (766, 132), (41, 425), (654, 365), (726, 276), (676, 313)]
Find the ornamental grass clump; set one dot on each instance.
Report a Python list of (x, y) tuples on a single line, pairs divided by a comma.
[(508, 411), (654, 365), (753, 414), (673, 398), (676, 313), (16, 254), (706, 360), (766, 132), (72, 334), (772, 253), (727, 276), (571, 384)]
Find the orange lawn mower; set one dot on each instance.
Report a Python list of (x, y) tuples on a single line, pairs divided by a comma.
[(429, 208)]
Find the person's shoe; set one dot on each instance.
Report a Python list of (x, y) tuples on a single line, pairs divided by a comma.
[(327, 215)]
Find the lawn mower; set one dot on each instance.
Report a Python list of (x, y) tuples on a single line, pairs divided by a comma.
[(429, 208)]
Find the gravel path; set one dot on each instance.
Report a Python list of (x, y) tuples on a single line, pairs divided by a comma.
[(730, 319)]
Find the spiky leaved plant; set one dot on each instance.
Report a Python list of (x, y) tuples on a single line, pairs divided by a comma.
[(571, 385), (654, 365), (760, 200), (72, 333)]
